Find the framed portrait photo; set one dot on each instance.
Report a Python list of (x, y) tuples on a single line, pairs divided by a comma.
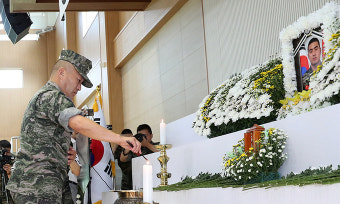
[(308, 55), (303, 45)]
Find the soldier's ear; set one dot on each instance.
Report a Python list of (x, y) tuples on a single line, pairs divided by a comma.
[(61, 72)]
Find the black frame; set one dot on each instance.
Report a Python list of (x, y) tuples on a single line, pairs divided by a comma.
[(298, 43)]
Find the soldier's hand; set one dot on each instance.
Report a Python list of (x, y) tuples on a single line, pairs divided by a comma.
[(132, 144)]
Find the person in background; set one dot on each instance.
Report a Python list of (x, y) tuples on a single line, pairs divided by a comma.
[(74, 171), (124, 157), (5, 149), (147, 144), (40, 172)]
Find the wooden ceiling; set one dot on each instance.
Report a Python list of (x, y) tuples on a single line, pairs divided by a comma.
[(78, 5)]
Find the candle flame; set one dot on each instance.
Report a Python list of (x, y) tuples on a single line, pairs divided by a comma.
[(147, 162), (162, 121)]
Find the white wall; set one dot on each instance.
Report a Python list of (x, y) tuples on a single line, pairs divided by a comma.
[(244, 33), (201, 46), (316, 194), (167, 78)]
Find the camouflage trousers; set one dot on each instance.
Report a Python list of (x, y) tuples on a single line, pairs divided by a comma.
[(24, 199)]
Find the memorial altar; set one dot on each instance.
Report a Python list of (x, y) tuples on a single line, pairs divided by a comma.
[(312, 142), (308, 114)]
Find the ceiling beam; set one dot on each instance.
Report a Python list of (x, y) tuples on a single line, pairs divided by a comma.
[(90, 1), (19, 6)]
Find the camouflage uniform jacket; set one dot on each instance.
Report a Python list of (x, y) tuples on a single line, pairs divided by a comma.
[(306, 77), (40, 169)]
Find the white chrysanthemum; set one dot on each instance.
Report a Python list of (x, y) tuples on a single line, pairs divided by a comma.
[(219, 121)]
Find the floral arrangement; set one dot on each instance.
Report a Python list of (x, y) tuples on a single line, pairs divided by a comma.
[(242, 100), (324, 84), (324, 17), (268, 92), (245, 167)]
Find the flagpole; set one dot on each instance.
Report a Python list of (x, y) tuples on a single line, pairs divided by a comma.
[(89, 184), (98, 89)]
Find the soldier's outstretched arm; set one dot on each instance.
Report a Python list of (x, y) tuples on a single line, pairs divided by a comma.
[(92, 130)]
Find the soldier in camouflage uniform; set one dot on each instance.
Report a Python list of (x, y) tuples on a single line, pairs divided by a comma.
[(40, 172)]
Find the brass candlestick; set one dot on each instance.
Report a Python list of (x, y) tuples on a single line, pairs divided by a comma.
[(163, 160)]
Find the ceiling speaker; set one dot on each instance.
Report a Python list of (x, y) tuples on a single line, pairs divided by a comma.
[(16, 25)]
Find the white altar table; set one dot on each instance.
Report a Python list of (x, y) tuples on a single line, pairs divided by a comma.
[(313, 141)]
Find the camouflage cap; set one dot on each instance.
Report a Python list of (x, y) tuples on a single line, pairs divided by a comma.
[(81, 63)]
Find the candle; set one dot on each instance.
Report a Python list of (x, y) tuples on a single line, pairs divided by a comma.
[(162, 133), (147, 183)]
